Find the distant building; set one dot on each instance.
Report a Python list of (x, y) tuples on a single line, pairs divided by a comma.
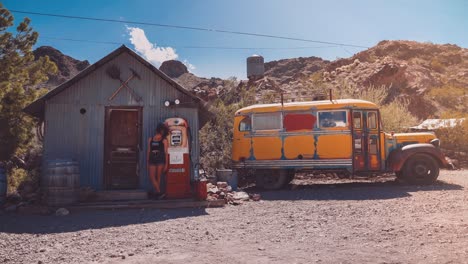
[(104, 115), (434, 124)]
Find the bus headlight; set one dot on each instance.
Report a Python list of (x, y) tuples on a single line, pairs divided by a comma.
[(436, 142)]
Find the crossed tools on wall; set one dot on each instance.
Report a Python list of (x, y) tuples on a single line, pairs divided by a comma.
[(114, 73)]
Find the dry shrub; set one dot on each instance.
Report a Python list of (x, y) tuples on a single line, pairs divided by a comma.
[(451, 97), (395, 114), (454, 138), (437, 65), (15, 178)]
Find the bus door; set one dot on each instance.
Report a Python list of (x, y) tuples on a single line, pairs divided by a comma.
[(366, 140)]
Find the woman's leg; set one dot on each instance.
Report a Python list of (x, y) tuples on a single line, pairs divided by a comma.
[(159, 172), (152, 175)]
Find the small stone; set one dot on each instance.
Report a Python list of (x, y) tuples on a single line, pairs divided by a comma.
[(39, 262), (222, 184), (207, 233), (131, 254), (256, 197), (62, 212), (42, 250), (123, 257), (261, 248)]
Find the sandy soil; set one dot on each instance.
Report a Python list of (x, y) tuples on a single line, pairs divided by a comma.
[(312, 222)]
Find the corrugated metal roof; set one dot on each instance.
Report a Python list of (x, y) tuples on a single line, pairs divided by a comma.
[(432, 124), (37, 108)]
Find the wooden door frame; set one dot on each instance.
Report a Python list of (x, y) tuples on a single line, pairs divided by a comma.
[(107, 177)]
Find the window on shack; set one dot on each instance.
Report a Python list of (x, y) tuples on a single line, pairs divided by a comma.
[(332, 119), (245, 124), (266, 121), (296, 121)]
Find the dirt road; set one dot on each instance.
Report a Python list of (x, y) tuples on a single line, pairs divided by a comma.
[(351, 222)]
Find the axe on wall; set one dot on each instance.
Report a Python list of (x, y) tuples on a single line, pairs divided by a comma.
[(114, 73)]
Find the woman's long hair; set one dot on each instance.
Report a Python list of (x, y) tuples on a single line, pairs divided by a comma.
[(162, 129)]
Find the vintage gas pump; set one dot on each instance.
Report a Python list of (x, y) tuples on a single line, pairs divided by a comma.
[(178, 175)]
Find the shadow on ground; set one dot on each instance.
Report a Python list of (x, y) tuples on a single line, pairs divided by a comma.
[(37, 224), (351, 190)]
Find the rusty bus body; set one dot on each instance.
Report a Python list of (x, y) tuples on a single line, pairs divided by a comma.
[(277, 140)]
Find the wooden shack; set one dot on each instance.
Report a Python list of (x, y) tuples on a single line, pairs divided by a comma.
[(103, 116)]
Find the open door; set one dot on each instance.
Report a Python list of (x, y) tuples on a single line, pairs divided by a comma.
[(366, 140), (122, 147)]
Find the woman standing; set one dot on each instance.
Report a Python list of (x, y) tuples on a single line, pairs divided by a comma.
[(157, 158)]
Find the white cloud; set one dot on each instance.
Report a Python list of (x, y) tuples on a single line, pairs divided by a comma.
[(151, 52), (190, 66)]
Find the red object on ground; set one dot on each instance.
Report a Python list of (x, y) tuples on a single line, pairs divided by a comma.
[(201, 192)]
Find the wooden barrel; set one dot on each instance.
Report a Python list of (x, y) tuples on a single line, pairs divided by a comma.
[(61, 182), (3, 185)]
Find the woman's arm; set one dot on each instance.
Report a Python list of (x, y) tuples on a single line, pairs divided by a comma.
[(166, 147), (148, 151)]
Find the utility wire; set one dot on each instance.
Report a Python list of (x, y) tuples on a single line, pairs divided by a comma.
[(193, 47), (187, 27)]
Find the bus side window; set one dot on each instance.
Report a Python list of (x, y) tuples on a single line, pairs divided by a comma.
[(267, 121), (245, 124), (357, 120), (372, 120), (332, 119)]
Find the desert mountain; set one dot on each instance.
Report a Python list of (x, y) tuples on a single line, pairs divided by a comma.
[(67, 66), (432, 77)]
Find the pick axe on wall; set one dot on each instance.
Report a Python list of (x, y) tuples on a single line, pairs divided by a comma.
[(114, 72)]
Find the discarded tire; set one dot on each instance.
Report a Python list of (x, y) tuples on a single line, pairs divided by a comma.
[(61, 182)]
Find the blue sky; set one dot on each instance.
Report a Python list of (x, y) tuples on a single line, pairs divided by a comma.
[(358, 22)]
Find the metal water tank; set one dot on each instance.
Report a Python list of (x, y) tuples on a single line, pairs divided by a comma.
[(255, 67)]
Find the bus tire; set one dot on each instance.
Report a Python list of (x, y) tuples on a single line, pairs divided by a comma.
[(420, 169), (271, 179)]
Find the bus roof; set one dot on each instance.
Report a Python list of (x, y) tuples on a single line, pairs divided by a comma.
[(310, 105)]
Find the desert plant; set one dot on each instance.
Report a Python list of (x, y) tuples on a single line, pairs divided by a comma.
[(395, 114), (437, 65), (19, 72)]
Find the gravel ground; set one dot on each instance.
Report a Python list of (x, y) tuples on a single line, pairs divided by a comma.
[(313, 222)]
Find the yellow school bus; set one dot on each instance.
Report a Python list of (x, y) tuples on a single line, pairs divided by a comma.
[(274, 141)]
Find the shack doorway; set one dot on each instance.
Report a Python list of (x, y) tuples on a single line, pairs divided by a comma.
[(122, 147)]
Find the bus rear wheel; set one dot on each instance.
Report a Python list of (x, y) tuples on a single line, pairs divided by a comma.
[(271, 179), (420, 169)]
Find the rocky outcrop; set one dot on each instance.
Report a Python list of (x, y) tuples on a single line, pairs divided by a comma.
[(173, 68), (67, 66)]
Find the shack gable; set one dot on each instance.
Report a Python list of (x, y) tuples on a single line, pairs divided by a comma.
[(97, 87)]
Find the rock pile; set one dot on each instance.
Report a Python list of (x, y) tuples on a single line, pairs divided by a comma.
[(223, 191)]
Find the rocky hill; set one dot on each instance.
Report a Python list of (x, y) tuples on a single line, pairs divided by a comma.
[(67, 66), (432, 77)]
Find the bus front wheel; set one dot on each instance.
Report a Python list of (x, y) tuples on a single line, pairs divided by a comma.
[(271, 179), (420, 169)]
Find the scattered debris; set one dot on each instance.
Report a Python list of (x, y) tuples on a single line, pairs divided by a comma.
[(62, 212), (222, 190)]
